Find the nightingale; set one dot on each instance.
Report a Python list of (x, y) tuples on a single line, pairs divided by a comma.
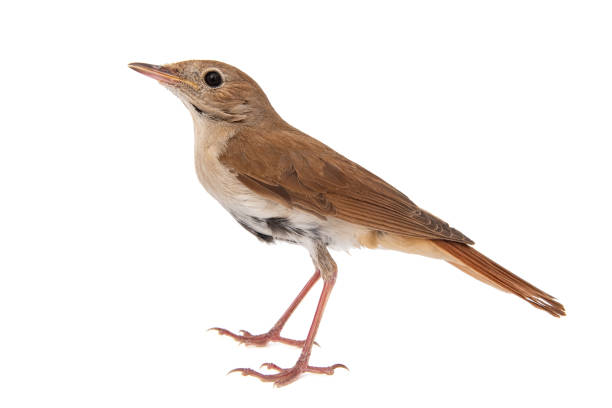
[(283, 185)]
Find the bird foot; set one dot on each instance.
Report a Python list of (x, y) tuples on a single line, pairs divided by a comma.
[(259, 340), (285, 376)]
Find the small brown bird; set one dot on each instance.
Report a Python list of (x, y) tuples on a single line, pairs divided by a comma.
[(282, 185)]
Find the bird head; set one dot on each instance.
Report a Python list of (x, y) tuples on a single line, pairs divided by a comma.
[(212, 90)]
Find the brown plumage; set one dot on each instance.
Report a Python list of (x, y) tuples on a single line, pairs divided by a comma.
[(281, 184), (296, 170), (471, 261)]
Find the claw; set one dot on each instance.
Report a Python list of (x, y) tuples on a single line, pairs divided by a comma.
[(238, 370), (271, 366), (219, 330), (332, 368)]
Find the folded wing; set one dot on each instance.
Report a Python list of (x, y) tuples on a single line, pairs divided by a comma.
[(298, 171)]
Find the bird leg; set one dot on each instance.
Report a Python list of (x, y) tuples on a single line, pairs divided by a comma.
[(273, 334), (286, 376)]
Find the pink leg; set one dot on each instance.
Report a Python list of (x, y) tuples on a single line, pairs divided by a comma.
[(261, 340), (288, 375)]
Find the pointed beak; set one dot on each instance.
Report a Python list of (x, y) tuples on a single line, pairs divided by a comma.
[(160, 73)]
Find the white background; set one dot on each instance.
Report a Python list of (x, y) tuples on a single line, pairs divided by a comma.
[(114, 261)]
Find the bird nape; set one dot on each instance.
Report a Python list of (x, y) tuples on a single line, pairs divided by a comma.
[(282, 185)]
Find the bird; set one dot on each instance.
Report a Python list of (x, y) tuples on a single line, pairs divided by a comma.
[(282, 185)]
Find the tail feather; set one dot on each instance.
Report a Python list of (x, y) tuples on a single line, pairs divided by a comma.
[(479, 266)]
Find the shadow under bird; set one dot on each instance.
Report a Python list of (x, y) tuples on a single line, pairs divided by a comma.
[(282, 185)]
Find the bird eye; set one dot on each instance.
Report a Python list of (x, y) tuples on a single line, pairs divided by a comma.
[(213, 79)]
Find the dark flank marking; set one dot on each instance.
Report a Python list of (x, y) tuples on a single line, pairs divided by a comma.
[(200, 112), (262, 237), (282, 225)]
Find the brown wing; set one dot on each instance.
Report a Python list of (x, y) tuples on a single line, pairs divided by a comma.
[(298, 171)]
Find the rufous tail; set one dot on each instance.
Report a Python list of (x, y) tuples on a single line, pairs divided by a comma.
[(479, 266), (469, 261)]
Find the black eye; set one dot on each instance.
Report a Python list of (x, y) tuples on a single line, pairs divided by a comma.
[(213, 79)]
